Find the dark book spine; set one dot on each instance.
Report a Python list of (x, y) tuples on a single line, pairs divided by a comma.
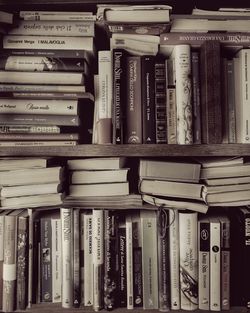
[(35, 246), (163, 261), (195, 60), (210, 73), (122, 280), (110, 260), (231, 102), (134, 104), (76, 262), (160, 102), (148, 99), (22, 263), (119, 95), (46, 260)]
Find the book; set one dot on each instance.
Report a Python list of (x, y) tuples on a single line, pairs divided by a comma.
[(6, 17), (148, 99), (225, 171), (181, 57), (96, 190), (188, 260), (31, 129), (99, 163), (231, 102), (53, 28), (134, 102), (215, 264), (149, 28), (17, 163), (204, 262), (129, 262), (76, 258), (171, 189), (167, 170), (82, 242), (18, 77), (210, 77), (66, 215), (227, 181), (219, 161), (149, 259), (98, 176), (56, 16), (29, 88), (30, 176), (225, 198), (48, 143), (98, 258), (43, 137)]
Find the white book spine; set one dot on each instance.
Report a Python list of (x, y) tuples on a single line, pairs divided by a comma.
[(98, 259), (188, 260), (67, 252), (76, 263), (45, 42), (149, 260), (56, 16), (54, 28), (88, 260), (38, 106), (56, 260), (174, 260), (182, 59), (82, 257), (129, 262), (215, 265), (1, 237), (47, 143)]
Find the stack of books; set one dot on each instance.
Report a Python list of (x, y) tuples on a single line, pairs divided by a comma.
[(30, 182), (98, 177), (46, 79)]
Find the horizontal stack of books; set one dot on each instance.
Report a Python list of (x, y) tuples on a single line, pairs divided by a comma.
[(46, 79)]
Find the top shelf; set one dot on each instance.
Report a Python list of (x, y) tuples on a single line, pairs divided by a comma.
[(138, 150)]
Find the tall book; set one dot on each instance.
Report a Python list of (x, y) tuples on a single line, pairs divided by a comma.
[(81, 232), (148, 98), (204, 262), (129, 261), (181, 57), (149, 260), (231, 100), (210, 77), (188, 260), (134, 104), (76, 258)]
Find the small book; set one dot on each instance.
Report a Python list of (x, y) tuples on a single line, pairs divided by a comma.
[(95, 190), (96, 163)]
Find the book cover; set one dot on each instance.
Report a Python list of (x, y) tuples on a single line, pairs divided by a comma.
[(210, 77), (76, 258), (148, 99), (129, 262), (231, 102), (82, 247), (134, 104)]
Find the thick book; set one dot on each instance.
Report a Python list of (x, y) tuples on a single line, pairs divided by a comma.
[(17, 163), (100, 163), (56, 16), (226, 171), (76, 258), (133, 132), (100, 189), (29, 129), (181, 57), (129, 261), (210, 77), (169, 170), (188, 260), (82, 244), (98, 176), (54, 28), (148, 99), (149, 259)]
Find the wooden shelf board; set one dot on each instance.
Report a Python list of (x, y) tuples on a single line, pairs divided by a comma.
[(130, 150)]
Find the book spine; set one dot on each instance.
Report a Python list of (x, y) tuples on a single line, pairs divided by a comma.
[(188, 260), (231, 102), (138, 28), (204, 264), (25, 88), (39, 119), (160, 102), (210, 77), (38, 43), (148, 99), (32, 129), (134, 103), (9, 264), (104, 122), (55, 16), (163, 260), (215, 266), (46, 260), (82, 248), (110, 260), (49, 143), (225, 263), (129, 262), (56, 260), (67, 252), (122, 279), (98, 259), (88, 259), (1, 258), (195, 64), (76, 259), (246, 240), (224, 100), (38, 106), (149, 260), (22, 263), (39, 137), (119, 95), (174, 260)]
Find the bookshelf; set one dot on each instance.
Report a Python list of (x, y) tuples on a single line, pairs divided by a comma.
[(125, 150)]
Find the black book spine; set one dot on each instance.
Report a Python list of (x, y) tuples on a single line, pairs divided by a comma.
[(122, 280), (35, 260), (148, 98)]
